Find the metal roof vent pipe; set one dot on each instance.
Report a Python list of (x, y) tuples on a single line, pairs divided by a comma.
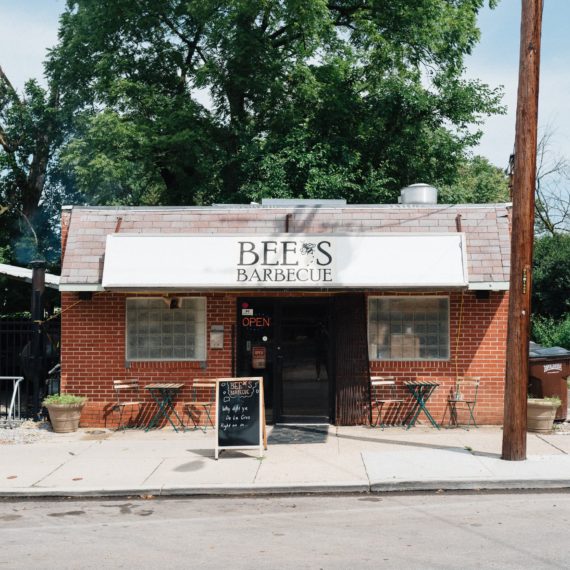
[(419, 193)]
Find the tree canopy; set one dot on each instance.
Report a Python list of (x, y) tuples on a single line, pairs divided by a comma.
[(192, 102), (551, 276)]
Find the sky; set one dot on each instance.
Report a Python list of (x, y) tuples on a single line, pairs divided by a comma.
[(29, 27)]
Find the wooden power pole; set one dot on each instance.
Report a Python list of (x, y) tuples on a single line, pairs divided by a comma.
[(524, 179)]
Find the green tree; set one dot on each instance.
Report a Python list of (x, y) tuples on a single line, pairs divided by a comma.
[(31, 187), (30, 132), (190, 102), (551, 276), (477, 181)]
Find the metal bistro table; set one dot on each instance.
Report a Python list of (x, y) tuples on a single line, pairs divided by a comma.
[(164, 395), (420, 392)]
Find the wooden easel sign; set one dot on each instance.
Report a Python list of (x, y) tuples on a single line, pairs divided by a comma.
[(240, 414)]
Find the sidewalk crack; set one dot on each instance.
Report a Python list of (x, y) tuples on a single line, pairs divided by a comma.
[(366, 472), (257, 472), (153, 471), (551, 444), (73, 456), (49, 474)]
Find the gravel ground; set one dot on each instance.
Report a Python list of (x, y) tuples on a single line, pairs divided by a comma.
[(26, 432)]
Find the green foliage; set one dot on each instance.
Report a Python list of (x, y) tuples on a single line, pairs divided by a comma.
[(191, 102), (550, 332), (477, 182), (31, 128), (550, 401), (551, 276), (64, 400)]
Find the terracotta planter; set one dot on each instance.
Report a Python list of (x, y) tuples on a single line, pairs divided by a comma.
[(540, 415), (64, 418)]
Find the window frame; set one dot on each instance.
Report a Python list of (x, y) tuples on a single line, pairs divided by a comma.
[(402, 297), (203, 330)]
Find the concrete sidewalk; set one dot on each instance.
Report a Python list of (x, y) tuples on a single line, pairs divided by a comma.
[(97, 462)]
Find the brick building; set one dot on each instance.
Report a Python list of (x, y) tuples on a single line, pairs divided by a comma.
[(314, 297)]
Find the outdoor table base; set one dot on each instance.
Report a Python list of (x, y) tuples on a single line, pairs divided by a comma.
[(164, 395), (420, 392)]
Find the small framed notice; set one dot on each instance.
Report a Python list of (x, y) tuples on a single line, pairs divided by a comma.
[(217, 336), (258, 357), (240, 414)]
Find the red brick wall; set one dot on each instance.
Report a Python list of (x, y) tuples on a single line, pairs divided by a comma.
[(93, 353), (478, 348)]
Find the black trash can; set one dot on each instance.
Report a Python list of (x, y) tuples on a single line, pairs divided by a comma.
[(548, 370)]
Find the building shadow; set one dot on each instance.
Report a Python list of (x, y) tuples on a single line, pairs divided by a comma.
[(418, 445)]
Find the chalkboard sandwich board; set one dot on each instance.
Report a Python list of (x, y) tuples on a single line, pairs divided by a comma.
[(240, 414)]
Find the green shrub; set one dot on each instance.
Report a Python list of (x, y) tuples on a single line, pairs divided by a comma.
[(551, 332), (64, 400)]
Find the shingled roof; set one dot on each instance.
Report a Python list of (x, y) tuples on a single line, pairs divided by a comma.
[(486, 226)]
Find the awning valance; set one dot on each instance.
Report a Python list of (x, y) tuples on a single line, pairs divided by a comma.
[(144, 262)]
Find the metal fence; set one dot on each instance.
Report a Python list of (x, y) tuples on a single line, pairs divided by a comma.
[(14, 336)]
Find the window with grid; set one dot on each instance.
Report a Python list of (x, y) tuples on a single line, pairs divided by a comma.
[(408, 328), (157, 332)]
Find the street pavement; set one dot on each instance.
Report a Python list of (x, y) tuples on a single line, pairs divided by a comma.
[(96, 462), (494, 530)]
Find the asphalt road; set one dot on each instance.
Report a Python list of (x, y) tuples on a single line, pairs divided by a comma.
[(365, 531)]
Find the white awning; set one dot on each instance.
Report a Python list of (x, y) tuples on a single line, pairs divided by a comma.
[(23, 274), (147, 262)]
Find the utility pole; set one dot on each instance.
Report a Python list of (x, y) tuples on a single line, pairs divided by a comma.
[(522, 235)]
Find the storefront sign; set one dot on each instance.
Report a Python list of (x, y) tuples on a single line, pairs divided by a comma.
[(285, 261), (303, 261)]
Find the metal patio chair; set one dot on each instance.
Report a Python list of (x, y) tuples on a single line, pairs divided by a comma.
[(383, 389), (128, 396), (464, 394), (203, 400)]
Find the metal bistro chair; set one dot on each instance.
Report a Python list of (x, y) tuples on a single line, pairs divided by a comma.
[(465, 394), (127, 394), (201, 404), (383, 396)]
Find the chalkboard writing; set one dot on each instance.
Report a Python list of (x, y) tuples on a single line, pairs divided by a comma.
[(240, 418)]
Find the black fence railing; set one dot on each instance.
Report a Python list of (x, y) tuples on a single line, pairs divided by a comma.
[(15, 338)]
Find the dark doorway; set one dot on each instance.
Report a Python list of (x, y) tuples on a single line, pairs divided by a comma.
[(303, 363), (288, 342)]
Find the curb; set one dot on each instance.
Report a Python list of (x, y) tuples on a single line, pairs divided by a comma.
[(295, 489), (472, 485)]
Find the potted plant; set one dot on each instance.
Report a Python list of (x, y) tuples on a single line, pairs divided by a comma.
[(64, 411), (541, 413)]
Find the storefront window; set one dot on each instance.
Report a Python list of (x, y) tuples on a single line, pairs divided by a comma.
[(408, 328), (157, 330)]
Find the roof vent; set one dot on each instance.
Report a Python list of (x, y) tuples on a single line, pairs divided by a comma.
[(419, 193)]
